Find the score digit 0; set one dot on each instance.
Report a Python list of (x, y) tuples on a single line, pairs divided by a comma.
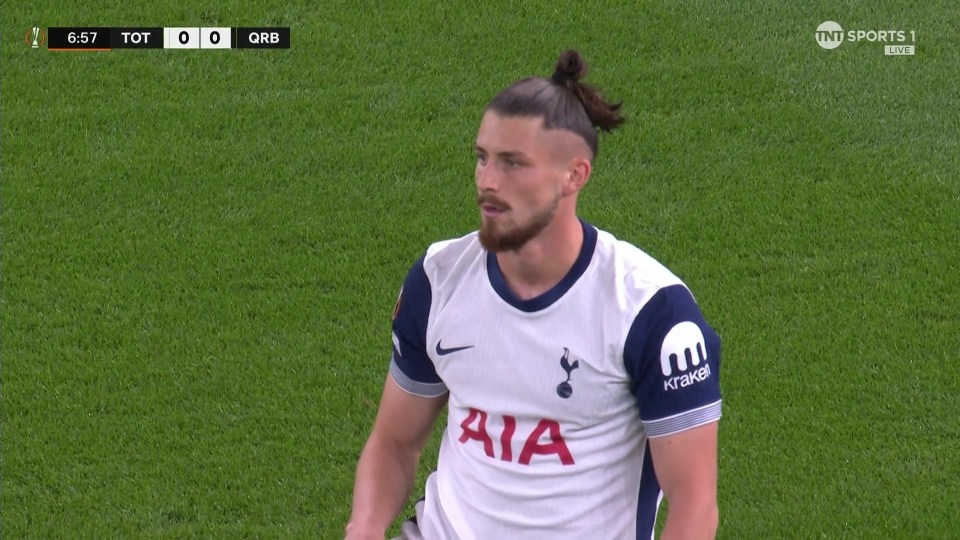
[(182, 38), (215, 38)]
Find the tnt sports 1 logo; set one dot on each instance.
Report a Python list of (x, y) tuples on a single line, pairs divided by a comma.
[(683, 357), (831, 35)]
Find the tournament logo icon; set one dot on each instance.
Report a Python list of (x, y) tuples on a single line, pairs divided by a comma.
[(564, 389), (35, 37)]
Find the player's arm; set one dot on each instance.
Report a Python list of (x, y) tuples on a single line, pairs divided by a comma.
[(686, 467), (388, 463), (673, 357), (413, 397)]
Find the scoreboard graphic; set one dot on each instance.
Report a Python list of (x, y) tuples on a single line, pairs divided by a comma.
[(109, 38)]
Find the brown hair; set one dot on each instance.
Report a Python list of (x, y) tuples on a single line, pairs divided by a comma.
[(562, 101)]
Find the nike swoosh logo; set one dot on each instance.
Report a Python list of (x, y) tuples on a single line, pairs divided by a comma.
[(443, 352)]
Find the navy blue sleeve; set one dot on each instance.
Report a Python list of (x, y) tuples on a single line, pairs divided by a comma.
[(411, 367), (673, 358)]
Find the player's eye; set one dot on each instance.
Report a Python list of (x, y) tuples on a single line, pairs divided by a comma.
[(481, 159)]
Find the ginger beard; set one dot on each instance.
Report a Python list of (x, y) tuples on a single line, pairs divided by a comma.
[(498, 234)]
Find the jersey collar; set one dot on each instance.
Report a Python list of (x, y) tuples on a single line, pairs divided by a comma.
[(557, 291)]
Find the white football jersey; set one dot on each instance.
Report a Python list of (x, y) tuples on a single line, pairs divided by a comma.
[(552, 399)]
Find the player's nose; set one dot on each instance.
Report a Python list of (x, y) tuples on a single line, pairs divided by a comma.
[(487, 179)]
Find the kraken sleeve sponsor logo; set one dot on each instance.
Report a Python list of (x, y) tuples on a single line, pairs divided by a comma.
[(683, 357), (685, 380)]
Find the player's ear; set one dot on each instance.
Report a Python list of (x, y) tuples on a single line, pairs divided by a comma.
[(578, 172)]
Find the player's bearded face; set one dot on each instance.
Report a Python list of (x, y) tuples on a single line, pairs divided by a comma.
[(509, 234), (517, 184)]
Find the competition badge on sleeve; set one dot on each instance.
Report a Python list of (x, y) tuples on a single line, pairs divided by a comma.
[(396, 307)]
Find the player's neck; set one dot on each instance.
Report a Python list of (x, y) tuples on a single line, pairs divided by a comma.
[(542, 262)]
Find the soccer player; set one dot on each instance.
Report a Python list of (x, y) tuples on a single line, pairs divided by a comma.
[(580, 378)]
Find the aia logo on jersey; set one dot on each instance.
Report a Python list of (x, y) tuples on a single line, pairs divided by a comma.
[(544, 440), (564, 389), (684, 352)]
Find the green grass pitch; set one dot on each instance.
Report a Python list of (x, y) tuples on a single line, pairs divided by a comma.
[(201, 249)]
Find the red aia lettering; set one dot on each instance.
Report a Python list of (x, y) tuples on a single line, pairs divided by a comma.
[(480, 434), (556, 445), (506, 438)]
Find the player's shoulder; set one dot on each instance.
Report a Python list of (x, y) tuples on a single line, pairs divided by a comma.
[(631, 266), (446, 253), (449, 258), (451, 249)]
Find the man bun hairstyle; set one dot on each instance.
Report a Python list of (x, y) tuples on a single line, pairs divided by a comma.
[(562, 101)]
